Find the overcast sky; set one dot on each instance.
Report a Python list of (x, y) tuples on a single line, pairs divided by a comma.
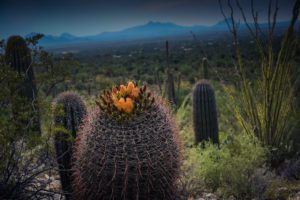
[(88, 17)]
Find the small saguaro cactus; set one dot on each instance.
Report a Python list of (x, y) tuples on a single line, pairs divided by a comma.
[(127, 148), (70, 110), (205, 68), (169, 85), (25, 107), (205, 113)]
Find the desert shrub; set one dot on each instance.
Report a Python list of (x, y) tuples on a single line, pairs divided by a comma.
[(103, 82), (229, 170), (267, 106), (236, 168), (282, 190), (26, 160), (291, 170)]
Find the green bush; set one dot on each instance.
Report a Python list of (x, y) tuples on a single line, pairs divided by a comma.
[(282, 189), (228, 170)]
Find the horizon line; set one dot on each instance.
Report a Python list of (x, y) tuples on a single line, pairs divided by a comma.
[(133, 26)]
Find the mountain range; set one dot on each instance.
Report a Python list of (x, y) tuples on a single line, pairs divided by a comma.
[(151, 30)]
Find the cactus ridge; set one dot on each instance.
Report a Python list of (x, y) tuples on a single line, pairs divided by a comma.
[(205, 113), (129, 159)]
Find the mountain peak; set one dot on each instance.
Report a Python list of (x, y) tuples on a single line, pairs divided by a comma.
[(152, 22), (67, 35), (149, 30), (223, 22), (157, 23)]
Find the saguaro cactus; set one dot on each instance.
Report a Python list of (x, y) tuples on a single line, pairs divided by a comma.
[(70, 110), (25, 107), (205, 68), (170, 86), (127, 149), (205, 113)]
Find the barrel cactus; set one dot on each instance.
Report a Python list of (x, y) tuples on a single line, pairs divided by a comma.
[(127, 148), (25, 107), (70, 110), (205, 113)]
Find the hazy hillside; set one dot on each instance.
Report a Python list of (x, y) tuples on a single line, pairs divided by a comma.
[(150, 31)]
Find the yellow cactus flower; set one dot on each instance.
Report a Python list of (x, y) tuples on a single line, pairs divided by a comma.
[(122, 89), (128, 106), (130, 86), (115, 101), (125, 99), (135, 92), (121, 103)]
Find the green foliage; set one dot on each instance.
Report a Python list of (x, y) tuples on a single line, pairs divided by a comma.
[(205, 113), (103, 81), (266, 109), (54, 73), (26, 158), (24, 106), (228, 170), (281, 189), (23, 157), (235, 168)]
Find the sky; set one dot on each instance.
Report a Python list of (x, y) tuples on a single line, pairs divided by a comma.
[(89, 17)]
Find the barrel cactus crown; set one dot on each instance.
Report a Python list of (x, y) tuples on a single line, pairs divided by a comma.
[(70, 110), (127, 148), (125, 102), (205, 113)]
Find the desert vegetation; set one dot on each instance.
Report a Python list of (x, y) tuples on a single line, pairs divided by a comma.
[(177, 119)]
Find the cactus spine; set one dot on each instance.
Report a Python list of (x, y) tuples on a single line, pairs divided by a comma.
[(74, 110), (18, 57), (205, 113), (127, 149)]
